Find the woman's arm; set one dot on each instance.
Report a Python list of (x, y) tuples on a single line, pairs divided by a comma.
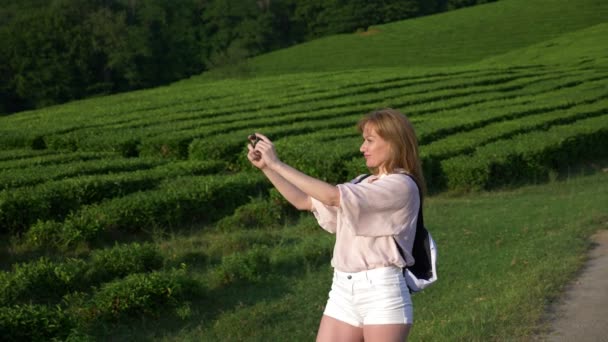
[(324, 192), (292, 194)]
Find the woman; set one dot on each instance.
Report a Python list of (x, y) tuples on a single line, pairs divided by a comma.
[(369, 299)]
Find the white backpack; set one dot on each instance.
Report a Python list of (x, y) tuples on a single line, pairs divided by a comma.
[(424, 272)]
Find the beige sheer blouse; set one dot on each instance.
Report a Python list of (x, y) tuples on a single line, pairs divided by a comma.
[(371, 216)]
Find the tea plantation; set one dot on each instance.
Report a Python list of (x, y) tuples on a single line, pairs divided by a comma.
[(141, 207)]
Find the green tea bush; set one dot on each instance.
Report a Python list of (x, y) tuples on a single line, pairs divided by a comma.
[(354, 167), (182, 201), (322, 160), (30, 322), (129, 148), (229, 146), (52, 158), (144, 294), (41, 281), (175, 146), (13, 178), (529, 157), (54, 200), (52, 234), (20, 154), (259, 213), (122, 260), (46, 281), (21, 207), (466, 142)]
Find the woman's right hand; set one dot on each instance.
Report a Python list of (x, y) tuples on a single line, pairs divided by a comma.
[(266, 151), (255, 157)]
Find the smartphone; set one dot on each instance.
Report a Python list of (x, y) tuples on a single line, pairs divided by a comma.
[(254, 139)]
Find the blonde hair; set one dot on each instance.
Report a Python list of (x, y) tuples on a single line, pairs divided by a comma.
[(396, 129)]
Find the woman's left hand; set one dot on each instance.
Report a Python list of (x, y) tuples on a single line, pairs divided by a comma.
[(267, 151)]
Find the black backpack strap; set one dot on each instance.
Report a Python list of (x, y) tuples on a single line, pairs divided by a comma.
[(421, 250), (360, 178), (420, 229), (421, 241), (420, 223)]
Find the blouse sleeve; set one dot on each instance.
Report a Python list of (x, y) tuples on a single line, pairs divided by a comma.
[(381, 208), (327, 216)]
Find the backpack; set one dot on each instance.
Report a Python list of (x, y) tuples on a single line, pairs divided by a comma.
[(424, 272)]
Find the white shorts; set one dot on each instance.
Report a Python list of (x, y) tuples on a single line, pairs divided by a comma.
[(378, 296)]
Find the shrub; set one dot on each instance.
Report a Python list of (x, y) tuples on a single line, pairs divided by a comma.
[(177, 202), (54, 200), (144, 294), (45, 281), (258, 213), (41, 281), (122, 260), (35, 323), (528, 157)]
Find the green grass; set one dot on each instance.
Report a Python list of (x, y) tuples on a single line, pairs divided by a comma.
[(475, 82), (503, 257), (582, 46), (454, 38)]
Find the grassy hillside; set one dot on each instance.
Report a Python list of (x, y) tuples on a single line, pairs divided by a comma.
[(137, 216), (581, 46), (453, 38), (503, 257)]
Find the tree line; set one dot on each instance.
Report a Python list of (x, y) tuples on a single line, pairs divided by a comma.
[(60, 50)]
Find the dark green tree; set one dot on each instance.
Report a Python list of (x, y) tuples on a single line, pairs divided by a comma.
[(46, 53), (113, 52), (324, 17), (455, 4), (59, 50)]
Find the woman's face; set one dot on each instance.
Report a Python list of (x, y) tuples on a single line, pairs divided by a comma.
[(375, 149)]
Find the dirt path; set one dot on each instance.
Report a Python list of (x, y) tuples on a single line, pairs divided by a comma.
[(582, 314)]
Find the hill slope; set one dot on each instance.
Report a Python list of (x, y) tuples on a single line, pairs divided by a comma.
[(167, 165), (588, 45), (448, 39)]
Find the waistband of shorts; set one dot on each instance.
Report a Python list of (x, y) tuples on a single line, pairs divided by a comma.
[(368, 274)]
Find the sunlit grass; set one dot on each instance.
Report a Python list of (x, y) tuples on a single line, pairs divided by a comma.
[(503, 257)]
